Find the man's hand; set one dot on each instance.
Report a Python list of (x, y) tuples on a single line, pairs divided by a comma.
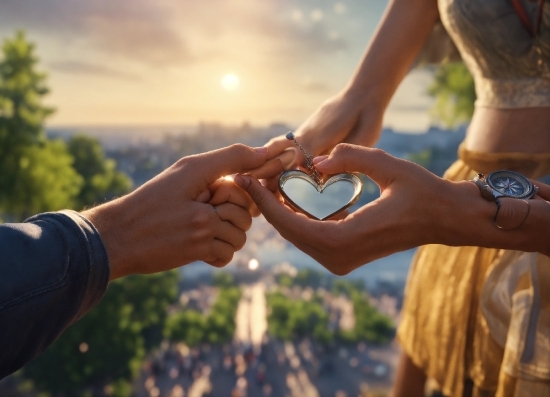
[(186, 213)]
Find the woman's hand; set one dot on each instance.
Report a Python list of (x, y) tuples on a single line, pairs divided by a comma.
[(342, 118), (355, 114), (185, 214), (412, 202)]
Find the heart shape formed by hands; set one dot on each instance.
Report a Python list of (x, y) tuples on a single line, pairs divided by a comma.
[(320, 202)]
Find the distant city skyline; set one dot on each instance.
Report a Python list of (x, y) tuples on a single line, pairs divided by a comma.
[(122, 62)]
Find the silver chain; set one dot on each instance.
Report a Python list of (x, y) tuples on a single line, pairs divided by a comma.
[(312, 171)]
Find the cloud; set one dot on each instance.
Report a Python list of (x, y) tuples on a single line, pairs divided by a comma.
[(170, 32), (316, 86), (77, 67), (133, 29)]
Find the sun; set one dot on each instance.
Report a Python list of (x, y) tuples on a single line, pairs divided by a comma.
[(230, 82)]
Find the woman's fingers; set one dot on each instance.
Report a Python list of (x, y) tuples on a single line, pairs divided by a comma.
[(292, 226), (544, 190), (381, 167)]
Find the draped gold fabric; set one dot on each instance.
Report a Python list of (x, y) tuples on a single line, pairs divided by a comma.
[(443, 328)]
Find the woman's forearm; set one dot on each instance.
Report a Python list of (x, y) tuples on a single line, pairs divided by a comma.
[(470, 221), (399, 38)]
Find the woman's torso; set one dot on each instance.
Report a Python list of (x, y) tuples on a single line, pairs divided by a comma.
[(511, 70)]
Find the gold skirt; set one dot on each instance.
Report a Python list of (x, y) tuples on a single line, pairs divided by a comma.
[(450, 332)]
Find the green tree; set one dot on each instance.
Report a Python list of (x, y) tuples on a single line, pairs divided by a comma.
[(188, 326), (107, 346), (101, 180), (289, 319), (46, 181), (223, 279), (193, 328), (453, 88), (370, 325), (35, 175)]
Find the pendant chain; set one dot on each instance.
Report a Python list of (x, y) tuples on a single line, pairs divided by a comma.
[(309, 160)]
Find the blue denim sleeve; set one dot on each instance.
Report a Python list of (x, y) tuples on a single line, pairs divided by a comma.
[(53, 269)]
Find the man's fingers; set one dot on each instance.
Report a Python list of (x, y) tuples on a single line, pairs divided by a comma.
[(221, 253), (229, 192), (230, 234), (271, 168), (235, 215), (377, 164), (205, 168)]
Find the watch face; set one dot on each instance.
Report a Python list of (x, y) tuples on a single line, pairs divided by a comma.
[(510, 184)]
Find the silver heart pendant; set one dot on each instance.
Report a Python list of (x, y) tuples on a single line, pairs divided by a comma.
[(320, 202)]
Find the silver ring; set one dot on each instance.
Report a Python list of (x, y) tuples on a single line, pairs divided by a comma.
[(215, 210)]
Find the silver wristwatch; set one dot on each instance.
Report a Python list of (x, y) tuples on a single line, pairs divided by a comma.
[(504, 183)]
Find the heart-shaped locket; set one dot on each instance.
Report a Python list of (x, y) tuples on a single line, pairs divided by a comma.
[(319, 201)]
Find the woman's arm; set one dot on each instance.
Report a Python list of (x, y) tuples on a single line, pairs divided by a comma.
[(355, 114)]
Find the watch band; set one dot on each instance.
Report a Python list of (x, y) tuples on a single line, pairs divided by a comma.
[(484, 188)]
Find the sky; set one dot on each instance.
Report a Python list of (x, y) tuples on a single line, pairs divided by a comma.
[(167, 62)]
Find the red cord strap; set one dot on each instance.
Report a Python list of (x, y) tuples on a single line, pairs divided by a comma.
[(534, 30)]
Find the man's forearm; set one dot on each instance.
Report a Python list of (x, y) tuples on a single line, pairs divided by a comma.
[(53, 269)]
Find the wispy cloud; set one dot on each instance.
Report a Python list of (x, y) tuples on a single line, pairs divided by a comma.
[(77, 67)]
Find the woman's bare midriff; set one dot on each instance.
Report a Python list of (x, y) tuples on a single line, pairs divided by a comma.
[(525, 130)]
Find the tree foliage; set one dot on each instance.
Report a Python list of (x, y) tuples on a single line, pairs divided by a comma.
[(297, 319), (45, 181), (35, 175), (454, 90), (370, 325), (101, 180), (217, 327)]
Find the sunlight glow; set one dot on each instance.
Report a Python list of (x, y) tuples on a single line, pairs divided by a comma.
[(253, 264), (230, 82)]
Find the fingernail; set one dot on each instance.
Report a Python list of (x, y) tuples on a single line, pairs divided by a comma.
[(318, 159), (261, 150), (242, 181), (321, 165)]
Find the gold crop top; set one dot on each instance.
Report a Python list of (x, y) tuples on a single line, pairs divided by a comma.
[(511, 68)]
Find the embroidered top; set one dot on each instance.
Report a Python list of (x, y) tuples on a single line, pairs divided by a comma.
[(510, 66)]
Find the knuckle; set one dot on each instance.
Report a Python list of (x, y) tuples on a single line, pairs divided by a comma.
[(200, 220), (377, 153), (183, 162), (221, 262), (337, 268), (240, 149), (343, 149)]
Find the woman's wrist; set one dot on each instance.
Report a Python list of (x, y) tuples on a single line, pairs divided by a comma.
[(466, 217), (365, 97), (469, 221)]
